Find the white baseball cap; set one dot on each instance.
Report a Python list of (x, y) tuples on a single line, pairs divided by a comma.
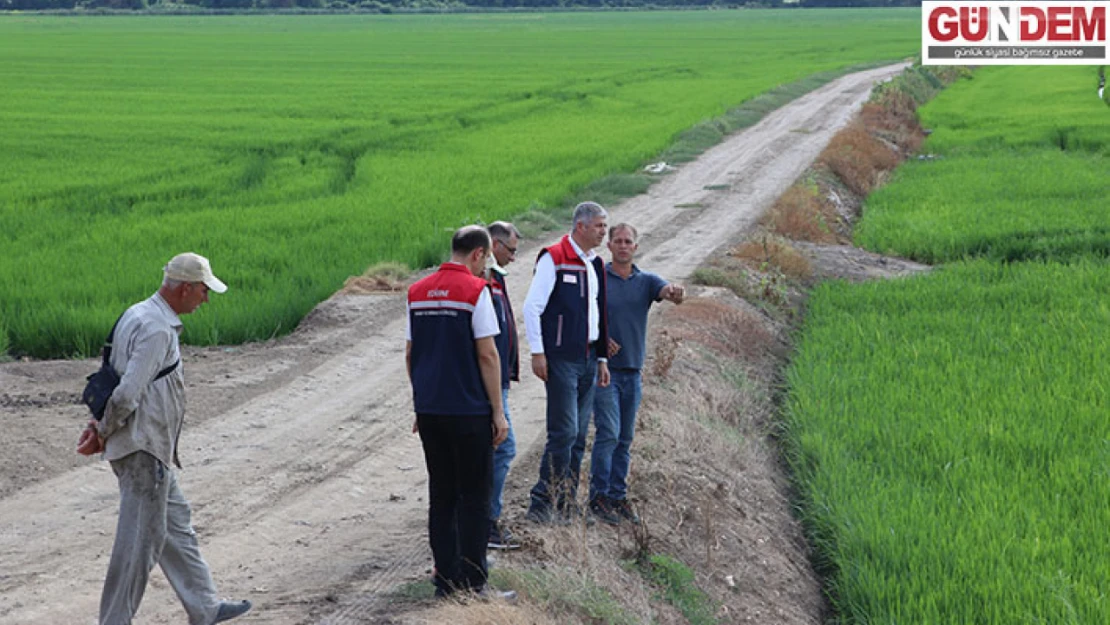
[(190, 267)]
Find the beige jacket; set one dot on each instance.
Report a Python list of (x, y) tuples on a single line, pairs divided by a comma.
[(145, 414)]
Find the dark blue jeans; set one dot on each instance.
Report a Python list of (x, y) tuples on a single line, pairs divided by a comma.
[(615, 409), (570, 396), (502, 458)]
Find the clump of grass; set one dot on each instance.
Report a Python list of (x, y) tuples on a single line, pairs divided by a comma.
[(413, 592), (612, 188), (567, 595), (679, 588), (535, 220), (712, 276)]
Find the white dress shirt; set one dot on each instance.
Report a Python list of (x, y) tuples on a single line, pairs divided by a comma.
[(543, 283)]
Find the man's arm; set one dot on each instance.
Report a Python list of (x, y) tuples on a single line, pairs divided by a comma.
[(673, 292), (142, 366), (543, 282), (408, 359), (489, 365), (603, 322), (408, 368)]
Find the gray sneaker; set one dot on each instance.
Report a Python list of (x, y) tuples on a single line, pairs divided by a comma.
[(229, 610), (489, 594)]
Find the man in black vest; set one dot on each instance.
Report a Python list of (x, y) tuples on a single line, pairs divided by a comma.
[(506, 238)]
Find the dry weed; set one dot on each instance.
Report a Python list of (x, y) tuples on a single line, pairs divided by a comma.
[(803, 215), (894, 118), (726, 329), (858, 159), (378, 278), (665, 346), (768, 252)]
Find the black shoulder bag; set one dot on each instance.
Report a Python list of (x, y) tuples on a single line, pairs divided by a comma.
[(105, 380)]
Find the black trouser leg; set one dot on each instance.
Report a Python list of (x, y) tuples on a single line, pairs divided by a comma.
[(459, 455)]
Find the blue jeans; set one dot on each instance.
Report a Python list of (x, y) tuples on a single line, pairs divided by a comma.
[(615, 419), (502, 456), (570, 395)]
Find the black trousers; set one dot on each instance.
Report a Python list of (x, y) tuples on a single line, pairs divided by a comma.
[(459, 453)]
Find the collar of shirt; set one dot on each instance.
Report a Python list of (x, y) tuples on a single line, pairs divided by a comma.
[(609, 269), (492, 264), (586, 256), (170, 315)]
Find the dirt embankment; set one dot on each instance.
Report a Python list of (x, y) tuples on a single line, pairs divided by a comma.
[(308, 488)]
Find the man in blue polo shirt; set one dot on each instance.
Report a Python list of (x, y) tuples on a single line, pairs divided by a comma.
[(456, 392), (630, 293)]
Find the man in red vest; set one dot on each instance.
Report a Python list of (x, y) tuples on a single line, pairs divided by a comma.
[(456, 392), (565, 320)]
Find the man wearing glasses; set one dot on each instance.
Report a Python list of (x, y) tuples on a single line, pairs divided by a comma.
[(506, 238)]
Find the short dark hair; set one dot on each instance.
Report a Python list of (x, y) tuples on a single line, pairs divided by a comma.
[(469, 238), (502, 230), (625, 226)]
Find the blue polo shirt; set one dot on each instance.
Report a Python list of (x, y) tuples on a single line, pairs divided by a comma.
[(629, 300)]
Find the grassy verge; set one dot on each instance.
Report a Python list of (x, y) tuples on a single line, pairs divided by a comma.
[(676, 582)]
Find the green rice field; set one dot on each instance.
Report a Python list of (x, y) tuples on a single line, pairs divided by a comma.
[(1023, 172), (295, 151), (948, 432)]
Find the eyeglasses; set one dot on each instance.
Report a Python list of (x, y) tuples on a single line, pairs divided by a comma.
[(510, 250)]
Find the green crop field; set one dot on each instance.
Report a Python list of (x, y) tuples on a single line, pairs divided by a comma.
[(1023, 172), (295, 151), (948, 432)]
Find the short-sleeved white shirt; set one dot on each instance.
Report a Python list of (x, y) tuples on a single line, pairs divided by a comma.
[(483, 322)]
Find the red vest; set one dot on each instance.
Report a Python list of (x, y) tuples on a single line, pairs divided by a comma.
[(446, 379)]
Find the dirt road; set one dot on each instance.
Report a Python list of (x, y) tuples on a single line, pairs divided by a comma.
[(307, 486)]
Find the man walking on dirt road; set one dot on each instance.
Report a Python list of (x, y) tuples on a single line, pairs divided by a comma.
[(138, 434), (630, 293), (564, 317), (506, 238), (455, 372)]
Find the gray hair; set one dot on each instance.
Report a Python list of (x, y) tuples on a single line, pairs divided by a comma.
[(586, 212), (170, 283), (502, 230)]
